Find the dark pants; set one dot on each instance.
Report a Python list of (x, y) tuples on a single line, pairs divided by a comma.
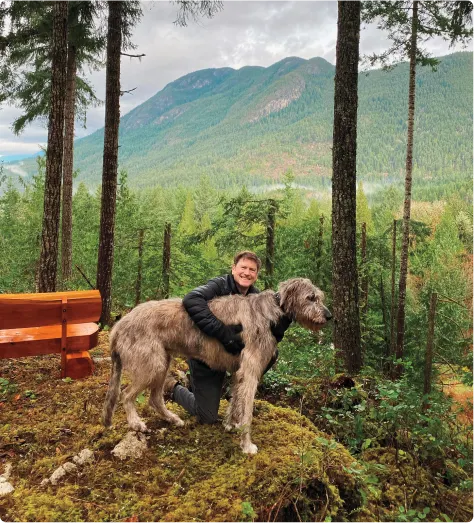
[(206, 385)]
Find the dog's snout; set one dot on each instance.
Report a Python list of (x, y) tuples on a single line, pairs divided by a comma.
[(327, 314)]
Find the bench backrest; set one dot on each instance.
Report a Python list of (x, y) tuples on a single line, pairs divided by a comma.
[(45, 308)]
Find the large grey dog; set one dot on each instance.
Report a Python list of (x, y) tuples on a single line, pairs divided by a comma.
[(144, 341)]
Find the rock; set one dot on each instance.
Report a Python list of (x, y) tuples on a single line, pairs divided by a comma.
[(62, 471), (6, 488), (6, 475), (85, 456), (133, 445)]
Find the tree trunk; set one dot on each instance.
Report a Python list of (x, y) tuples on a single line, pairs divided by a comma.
[(138, 286), (66, 239), (364, 289), (270, 249), (319, 250), (402, 286), (110, 160), (429, 346), (391, 348), (166, 260), (345, 281), (54, 154), (384, 315), (365, 278)]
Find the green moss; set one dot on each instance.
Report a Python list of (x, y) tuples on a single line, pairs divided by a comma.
[(196, 472)]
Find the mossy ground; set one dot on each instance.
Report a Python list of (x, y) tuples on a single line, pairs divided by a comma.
[(193, 473)]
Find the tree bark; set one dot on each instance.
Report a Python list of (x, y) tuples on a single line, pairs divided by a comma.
[(345, 280), (402, 285), (66, 238), (54, 155), (110, 159)]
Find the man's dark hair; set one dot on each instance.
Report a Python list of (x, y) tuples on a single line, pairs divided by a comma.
[(248, 255)]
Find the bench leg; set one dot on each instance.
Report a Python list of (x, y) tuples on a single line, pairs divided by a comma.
[(77, 365)]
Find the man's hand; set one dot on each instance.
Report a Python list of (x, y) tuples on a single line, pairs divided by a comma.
[(231, 339)]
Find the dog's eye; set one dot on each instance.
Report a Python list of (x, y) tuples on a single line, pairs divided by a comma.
[(312, 297)]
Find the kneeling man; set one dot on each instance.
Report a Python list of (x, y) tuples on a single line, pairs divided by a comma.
[(206, 383)]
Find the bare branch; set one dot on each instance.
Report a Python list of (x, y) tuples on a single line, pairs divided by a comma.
[(127, 92), (133, 55)]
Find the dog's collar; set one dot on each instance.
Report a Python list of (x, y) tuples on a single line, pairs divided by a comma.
[(278, 302), (277, 298)]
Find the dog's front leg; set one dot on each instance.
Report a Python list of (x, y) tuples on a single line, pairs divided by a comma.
[(232, 417), (240, 411)]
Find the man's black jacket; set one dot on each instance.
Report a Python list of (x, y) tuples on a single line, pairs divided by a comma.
[(195, 303)]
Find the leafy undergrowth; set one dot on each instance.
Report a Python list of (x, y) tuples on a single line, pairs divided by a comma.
[(193, 473), (415, 464)]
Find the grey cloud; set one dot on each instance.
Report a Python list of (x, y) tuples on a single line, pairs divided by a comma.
[(243, 33)]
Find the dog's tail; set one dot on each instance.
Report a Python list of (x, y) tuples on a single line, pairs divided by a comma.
[(114, 388)]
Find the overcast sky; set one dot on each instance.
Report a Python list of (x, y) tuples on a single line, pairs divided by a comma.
[(243, 33)]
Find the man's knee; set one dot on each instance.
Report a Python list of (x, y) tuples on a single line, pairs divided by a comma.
[(206, 417)]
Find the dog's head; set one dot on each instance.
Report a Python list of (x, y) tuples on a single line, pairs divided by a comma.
[(304, 302)]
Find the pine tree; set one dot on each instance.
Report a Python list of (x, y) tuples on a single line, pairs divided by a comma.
[(54, 154), (123, 15), (345, 282), (449, 20), (26, 74), (110, 159)]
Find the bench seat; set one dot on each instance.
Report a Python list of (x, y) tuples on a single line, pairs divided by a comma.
[(51, 323), (31, 341)]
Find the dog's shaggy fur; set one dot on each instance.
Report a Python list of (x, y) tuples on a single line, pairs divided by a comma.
[(144, 341)]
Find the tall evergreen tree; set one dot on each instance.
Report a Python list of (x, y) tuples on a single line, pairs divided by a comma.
[(26, 79), (83, 46), (110, 158), (345, 282), (449, 20), (123, 16), (54, 154)]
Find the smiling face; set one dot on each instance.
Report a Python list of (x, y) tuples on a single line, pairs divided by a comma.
[(245, 273)]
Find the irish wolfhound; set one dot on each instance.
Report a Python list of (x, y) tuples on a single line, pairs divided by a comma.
[(144, 341)]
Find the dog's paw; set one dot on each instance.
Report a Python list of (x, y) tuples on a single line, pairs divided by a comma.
[(179, 422), (139, 426), (229, 427), (249, 448)]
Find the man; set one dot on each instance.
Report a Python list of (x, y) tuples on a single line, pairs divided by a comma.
[(206, 383)]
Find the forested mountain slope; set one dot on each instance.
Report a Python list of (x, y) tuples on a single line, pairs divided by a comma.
[(253, 124)]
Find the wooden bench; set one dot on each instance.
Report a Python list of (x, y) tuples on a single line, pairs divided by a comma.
[(51, 323)]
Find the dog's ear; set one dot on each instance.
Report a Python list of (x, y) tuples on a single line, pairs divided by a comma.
[(291, 286)]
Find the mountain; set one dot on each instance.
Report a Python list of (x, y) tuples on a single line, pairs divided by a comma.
[(18, 157), (253, 124)]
